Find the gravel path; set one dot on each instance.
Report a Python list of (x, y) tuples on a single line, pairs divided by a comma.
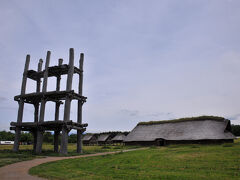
[(20, 170)]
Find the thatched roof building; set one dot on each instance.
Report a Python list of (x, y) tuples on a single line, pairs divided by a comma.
[(119, 138), (89, 139), (104, 138), (203, 129)]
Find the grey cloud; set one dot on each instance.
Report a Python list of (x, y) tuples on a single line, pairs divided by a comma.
[(150, 116), (2, 99), (8, 108), (161, 114), (130, 112)]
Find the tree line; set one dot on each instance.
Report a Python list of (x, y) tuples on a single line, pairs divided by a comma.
[(48, 137), (236, 129), (28, 137)]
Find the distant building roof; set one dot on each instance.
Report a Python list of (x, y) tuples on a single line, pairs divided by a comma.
[(119, 137), (87, 137), (103, 137), (196, 128)]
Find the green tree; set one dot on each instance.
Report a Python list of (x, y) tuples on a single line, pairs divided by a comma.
[(236, 130), (6, 136), (72, 138), (48, 137), (26, 137)]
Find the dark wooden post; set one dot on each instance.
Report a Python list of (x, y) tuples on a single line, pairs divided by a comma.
[(36, 106), (57, 106), (43, 103), (64, 141), (21, 106), (39, 70), (79, 115)]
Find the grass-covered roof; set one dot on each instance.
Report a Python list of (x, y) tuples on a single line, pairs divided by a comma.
[(193, 128), (199, 118)]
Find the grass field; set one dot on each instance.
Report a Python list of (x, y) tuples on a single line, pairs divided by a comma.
[(171, 162), (25, 153)]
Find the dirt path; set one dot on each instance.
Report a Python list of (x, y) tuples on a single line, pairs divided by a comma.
[(20, 170)]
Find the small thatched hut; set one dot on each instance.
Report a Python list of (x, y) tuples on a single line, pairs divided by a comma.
[(89, 139), (203, 129), (104, 139), (119, 138)]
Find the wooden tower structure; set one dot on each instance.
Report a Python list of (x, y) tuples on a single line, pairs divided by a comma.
[(39, 99)]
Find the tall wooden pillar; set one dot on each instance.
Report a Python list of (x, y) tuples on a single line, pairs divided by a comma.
[(64, 140), (36, 106), (21, 106), (57, 106), (43, 103), (79, 115)]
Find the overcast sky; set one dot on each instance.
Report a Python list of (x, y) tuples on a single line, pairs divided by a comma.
[(144, 60)]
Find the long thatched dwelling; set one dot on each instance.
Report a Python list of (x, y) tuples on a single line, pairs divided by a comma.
[(203, 129)]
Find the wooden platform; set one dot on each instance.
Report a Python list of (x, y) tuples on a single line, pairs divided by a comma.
[(52, 71), (55, 96)]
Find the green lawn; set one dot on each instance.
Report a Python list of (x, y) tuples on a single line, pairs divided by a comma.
[(25, 153), (172, 162)]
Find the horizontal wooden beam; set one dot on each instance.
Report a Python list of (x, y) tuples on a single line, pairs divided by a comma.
[(48, 123), (48, 128), (55, 96), (76, 128), (52, 71)]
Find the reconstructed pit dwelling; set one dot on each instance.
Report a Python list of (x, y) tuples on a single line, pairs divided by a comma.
[(200, 130), (40, 98)]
